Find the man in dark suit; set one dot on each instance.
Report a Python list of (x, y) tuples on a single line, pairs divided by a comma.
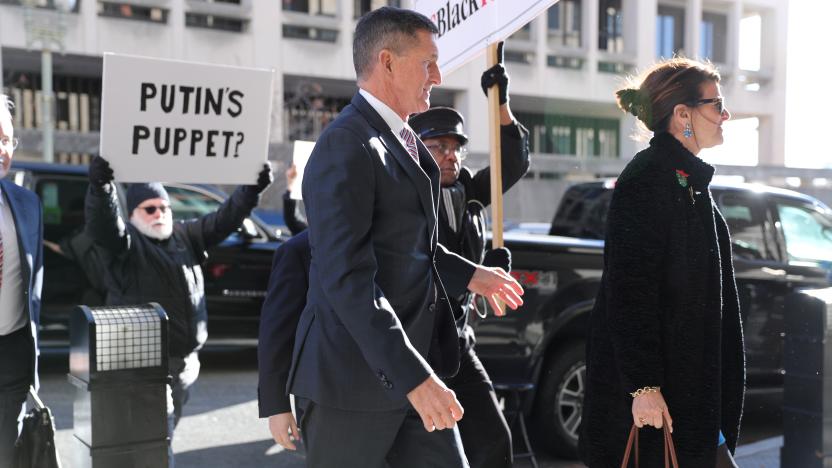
[(21, 277), (377, 332)]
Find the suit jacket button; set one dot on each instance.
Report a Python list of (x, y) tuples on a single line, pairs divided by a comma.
[(432, 307), (381, 376), (388, 385)]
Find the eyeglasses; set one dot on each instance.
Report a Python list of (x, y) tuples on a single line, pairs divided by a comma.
[(152, 209), (7, 142), (444, 149), (717, 101)]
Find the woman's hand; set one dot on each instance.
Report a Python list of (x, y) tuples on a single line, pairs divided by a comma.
[(648, 409)]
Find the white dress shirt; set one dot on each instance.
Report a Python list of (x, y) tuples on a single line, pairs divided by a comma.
[(12, 317), (389, 115)]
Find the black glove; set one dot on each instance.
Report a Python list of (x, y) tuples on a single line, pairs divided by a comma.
[(264, 179), (100, 172), (499, 257), (496, 75)]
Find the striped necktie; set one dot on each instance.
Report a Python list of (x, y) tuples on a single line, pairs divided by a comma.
[(409, 139)]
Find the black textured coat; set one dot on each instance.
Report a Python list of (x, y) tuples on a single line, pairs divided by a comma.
[(666, 315)]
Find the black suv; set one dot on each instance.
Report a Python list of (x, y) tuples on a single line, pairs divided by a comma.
[(782, 242), (236, 272)]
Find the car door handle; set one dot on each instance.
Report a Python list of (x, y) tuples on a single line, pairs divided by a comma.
[(773, 271)]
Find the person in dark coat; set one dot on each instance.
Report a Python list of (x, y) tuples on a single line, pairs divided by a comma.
[(152, 258), (666, 344), (295, 220), (485, 435)]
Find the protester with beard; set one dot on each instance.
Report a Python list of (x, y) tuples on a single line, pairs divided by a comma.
[(151, 258)]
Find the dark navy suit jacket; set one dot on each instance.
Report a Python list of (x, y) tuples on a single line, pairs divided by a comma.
[(286, 298), (28, 222), (377, 320)]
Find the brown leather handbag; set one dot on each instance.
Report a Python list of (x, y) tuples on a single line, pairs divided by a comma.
[(669, 449)]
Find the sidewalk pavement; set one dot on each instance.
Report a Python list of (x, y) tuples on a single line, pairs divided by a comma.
[(762, 454)]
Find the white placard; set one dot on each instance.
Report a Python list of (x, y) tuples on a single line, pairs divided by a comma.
[(300, 156), (173, 121), (467, 27)]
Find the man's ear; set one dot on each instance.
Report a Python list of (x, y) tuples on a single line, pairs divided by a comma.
[(385, 60)]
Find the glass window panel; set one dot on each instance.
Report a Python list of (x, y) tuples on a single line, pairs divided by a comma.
[(713, 37), (670, 31), (360, 7), (564, 23), (750, 237), (808, 233), (610, 26)]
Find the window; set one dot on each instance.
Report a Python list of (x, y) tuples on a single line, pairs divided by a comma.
[(751, 236), (132, 12), (222, 23), (572, 135), (713, 37), (564, 19), (670, 31), (314, 34), (610, 27), (524, 33), (312, 7), (361, 7), (808, 232), (190, 204)]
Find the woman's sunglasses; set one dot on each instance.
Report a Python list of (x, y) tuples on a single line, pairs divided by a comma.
[(717, 101)]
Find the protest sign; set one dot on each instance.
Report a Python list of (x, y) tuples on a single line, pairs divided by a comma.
[(173, 121), (467, 27), (300, 156)]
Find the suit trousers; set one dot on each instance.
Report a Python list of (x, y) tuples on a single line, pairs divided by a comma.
[(486, 436), (384, 439), (15, 377)]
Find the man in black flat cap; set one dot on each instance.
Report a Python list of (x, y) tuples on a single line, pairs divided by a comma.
[(462, 227), (153, 258)]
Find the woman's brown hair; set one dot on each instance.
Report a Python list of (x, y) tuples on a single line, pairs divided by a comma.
[(652, 96)]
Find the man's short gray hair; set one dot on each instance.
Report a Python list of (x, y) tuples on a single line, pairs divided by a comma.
[(6, 104), (385, 28)]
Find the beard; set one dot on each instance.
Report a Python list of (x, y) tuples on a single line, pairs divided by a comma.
[(159, 230)]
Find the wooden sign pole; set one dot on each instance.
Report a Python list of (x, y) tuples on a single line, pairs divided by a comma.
[(494, 52)]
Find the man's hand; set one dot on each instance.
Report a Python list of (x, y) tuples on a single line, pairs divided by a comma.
[(284, 430), (291, 175), (264, 179), (496, 75), (495, 284), (100, 172), (436, 404)]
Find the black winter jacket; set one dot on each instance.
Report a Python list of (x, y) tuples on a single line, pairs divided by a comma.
[(141, 269), (667, 314)]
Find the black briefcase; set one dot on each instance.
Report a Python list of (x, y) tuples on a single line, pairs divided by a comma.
[(35, 447)]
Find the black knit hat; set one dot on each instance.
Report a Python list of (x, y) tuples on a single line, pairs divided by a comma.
[(137, 193), (437, 122)]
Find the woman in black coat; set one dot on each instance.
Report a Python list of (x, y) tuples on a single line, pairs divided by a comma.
[(666, 336)]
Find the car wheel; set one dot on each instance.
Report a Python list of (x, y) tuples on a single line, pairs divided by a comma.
[(560, 400)]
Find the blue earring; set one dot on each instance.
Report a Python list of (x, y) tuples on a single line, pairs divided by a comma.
[(688, 132)]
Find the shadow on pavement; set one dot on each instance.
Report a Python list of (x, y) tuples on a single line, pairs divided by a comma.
[(241, 455)]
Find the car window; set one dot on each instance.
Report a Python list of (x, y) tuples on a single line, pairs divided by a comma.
[(808, 232), (63, 205), (749, 225), (188, 204)]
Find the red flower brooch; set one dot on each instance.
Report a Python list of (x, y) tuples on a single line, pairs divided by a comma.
[(682, 177)]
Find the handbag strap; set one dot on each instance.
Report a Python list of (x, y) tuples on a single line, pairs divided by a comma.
[(669, 449), (34, 394)]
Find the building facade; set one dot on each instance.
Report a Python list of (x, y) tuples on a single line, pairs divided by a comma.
[(564, 66)]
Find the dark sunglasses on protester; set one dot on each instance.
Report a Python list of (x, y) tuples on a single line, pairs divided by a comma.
[(152, 209)]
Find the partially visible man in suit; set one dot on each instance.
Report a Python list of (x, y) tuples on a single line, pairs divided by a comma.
[(377, 332), (21, 277)]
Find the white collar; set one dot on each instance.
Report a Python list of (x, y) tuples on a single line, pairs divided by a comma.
[(389, 115)]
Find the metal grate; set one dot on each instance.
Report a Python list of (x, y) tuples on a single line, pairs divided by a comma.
[(127, 338)]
